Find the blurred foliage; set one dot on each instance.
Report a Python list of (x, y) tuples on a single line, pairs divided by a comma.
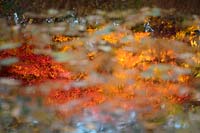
[(86, 6)]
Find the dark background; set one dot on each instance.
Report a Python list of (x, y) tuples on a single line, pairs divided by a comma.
[(7, 7)]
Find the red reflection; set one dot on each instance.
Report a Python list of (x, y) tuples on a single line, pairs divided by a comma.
[(31, 68)]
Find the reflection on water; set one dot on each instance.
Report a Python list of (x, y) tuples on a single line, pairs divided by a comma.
[(106, 72)]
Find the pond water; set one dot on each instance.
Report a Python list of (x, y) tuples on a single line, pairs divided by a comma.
[(106, 72)]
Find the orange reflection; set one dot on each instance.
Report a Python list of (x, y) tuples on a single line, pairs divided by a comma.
[(62, 38), (113, 37), (143, 94), (129, 59), (140, 35)]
